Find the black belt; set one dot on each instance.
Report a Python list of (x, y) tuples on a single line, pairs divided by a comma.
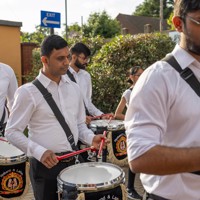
[(197, 172), (155, 197)]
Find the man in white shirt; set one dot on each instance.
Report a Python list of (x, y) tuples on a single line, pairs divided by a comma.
[(163, 117), (46, 138), (8, 85), (80, 57)]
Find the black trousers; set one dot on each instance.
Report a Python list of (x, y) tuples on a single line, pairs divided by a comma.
[(154, 197), (131, 179), (44, 180)]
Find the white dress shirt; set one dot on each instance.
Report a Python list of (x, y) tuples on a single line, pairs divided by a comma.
[(45, 132), (83, 79), (165, 110), (8, 86)]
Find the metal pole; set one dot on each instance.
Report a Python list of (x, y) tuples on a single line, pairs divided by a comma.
[(66, 17), (51, 31), (161, 16)]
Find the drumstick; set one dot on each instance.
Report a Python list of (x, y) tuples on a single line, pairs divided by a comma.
[(102, 143), (3, 140), (75, 153)]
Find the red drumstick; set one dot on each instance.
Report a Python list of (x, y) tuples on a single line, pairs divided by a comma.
[(3, 140), (103, 139), (102, 143), (75, 153)]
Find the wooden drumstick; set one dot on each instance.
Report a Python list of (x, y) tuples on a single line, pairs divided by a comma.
[(102, 143), (75, 153)]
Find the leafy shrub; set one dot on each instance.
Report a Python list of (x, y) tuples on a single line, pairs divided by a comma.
[(110, 65)]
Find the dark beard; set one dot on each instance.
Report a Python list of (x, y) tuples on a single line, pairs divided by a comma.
[(79, 65), (192, 47)]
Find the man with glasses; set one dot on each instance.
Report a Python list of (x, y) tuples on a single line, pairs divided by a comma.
[(80, 54), (163, 117)]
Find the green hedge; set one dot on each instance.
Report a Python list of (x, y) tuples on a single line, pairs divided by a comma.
[(110, 65)]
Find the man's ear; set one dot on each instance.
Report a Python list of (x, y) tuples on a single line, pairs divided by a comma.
[(44, 59), (178, 23)]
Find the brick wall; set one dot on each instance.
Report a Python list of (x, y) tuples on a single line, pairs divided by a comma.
[(26, 58)]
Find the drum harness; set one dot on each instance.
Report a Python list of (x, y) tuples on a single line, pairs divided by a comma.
[(70, 75), (2, 124), (48, 97)]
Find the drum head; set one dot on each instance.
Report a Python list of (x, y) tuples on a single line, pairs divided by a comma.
[(105, 123), (91, 176), (10, 154)]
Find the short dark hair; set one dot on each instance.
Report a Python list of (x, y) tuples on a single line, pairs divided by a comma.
[(183, 7), (50, 43), (79, 48)]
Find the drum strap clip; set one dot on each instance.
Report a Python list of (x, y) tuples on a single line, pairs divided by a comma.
[(76, 159)]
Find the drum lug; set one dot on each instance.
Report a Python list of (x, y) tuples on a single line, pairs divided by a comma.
[(77, 160)]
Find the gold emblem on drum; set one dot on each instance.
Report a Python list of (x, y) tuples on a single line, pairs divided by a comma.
[(12, 183), (121, 146)]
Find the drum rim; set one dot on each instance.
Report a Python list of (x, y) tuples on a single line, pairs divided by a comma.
[(17, 159), (108, 126), (13, 159), (97, 187)]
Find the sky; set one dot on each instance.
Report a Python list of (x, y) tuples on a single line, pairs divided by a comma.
[(29, 11)]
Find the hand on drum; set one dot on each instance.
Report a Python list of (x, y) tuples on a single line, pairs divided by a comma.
[(98, 139), (49, 159), (88, 119), (108, 116)]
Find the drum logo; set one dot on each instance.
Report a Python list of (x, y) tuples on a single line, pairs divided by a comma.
[(121, 145), (12, 183)]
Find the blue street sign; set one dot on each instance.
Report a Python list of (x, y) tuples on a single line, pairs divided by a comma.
[(50, 19)]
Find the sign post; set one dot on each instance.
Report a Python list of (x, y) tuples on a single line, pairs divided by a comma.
[(50, 19)]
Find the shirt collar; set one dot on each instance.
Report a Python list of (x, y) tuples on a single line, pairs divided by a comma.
[(183, 57), (46, 81), (74, 72)]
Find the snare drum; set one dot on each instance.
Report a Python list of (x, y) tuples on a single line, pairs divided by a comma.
[(93, 181), (14, 171), (99, 126), (117, 148)]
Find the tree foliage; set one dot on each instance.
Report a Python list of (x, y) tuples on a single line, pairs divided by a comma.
[(101, 24), (35, 37), (151, 8), (110, 65)]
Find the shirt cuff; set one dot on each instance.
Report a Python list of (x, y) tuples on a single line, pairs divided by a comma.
[(35, 150)]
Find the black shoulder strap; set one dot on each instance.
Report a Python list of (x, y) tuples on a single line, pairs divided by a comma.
[(3, 116), (186, 74), (71, 76), (55, 109)]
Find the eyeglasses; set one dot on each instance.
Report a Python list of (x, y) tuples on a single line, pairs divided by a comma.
[(193, 20), (87, 59)]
